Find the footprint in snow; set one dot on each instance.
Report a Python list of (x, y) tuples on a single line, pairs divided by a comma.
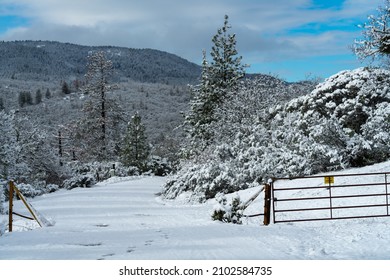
[(106, 255), (163, 234), (131, 249), (101, 225)]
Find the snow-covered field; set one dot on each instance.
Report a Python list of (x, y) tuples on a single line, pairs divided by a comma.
[(127, 219)]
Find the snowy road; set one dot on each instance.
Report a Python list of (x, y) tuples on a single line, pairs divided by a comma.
[(127, 220)]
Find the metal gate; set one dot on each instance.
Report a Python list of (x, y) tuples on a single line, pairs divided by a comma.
[(330, 197)]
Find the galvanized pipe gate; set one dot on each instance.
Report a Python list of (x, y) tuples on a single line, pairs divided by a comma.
[(330, 197)]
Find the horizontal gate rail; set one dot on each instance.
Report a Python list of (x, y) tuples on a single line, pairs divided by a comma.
[(333, 175), (335, 204), (329, 197), (334, 207), (334, 218), (333, 186)]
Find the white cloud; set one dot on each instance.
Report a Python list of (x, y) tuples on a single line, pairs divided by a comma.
[(186, 27), (360, 7)]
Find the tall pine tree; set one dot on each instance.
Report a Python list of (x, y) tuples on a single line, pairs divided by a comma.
[(136, 147), (219, 78), (102, 114)]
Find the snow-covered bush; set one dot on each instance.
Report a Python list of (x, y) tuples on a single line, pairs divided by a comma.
[(342, 123), (102, 170), (49, 188), (36, 188), (227, 212), (159, 166), (29, 190), (80, 181)]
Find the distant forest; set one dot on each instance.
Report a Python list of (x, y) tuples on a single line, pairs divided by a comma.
[(53, 60)]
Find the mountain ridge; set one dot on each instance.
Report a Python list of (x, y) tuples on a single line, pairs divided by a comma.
[(52, 60)]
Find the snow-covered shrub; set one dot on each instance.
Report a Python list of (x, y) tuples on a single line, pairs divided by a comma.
[(100, 171), (204, 181), (29, 190), (346, 116), (158, 166), (49, 188), (376, 132), (80, 181), (227, 212), (88, 174), (36, 188)]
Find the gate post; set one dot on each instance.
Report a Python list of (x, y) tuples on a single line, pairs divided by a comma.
[(267, 204), (10, 202)]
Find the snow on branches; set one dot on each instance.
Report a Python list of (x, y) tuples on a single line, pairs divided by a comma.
[(343, 122), (376, 35)]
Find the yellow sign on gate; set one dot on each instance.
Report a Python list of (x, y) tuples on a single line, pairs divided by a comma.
[(329, 180)]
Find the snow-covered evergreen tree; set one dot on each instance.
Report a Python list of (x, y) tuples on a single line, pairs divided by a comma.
[(136, 148), (25, 151), (233, 160), (25, 98), (226, 67), (376, 35), (201, 113), (227, 212), (9, 148), (38, 97), (93, 133), (37, 153), (219, 77)]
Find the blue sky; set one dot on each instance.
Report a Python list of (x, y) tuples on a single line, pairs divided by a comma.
[(293, 39)]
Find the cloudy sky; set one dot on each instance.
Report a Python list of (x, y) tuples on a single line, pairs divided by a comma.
[(293, 39)]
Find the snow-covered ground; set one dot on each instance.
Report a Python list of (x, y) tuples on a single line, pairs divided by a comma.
[(127, 219)]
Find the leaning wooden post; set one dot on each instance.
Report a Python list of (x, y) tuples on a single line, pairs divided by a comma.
[(27, 205), (267, 204), (10, 208)]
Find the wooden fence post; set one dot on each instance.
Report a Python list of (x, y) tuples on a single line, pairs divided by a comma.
[(10, 208), (267, 204), (20, 195)]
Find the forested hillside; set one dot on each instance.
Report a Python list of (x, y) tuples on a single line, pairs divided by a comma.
[(45, 97), (50, 61)]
